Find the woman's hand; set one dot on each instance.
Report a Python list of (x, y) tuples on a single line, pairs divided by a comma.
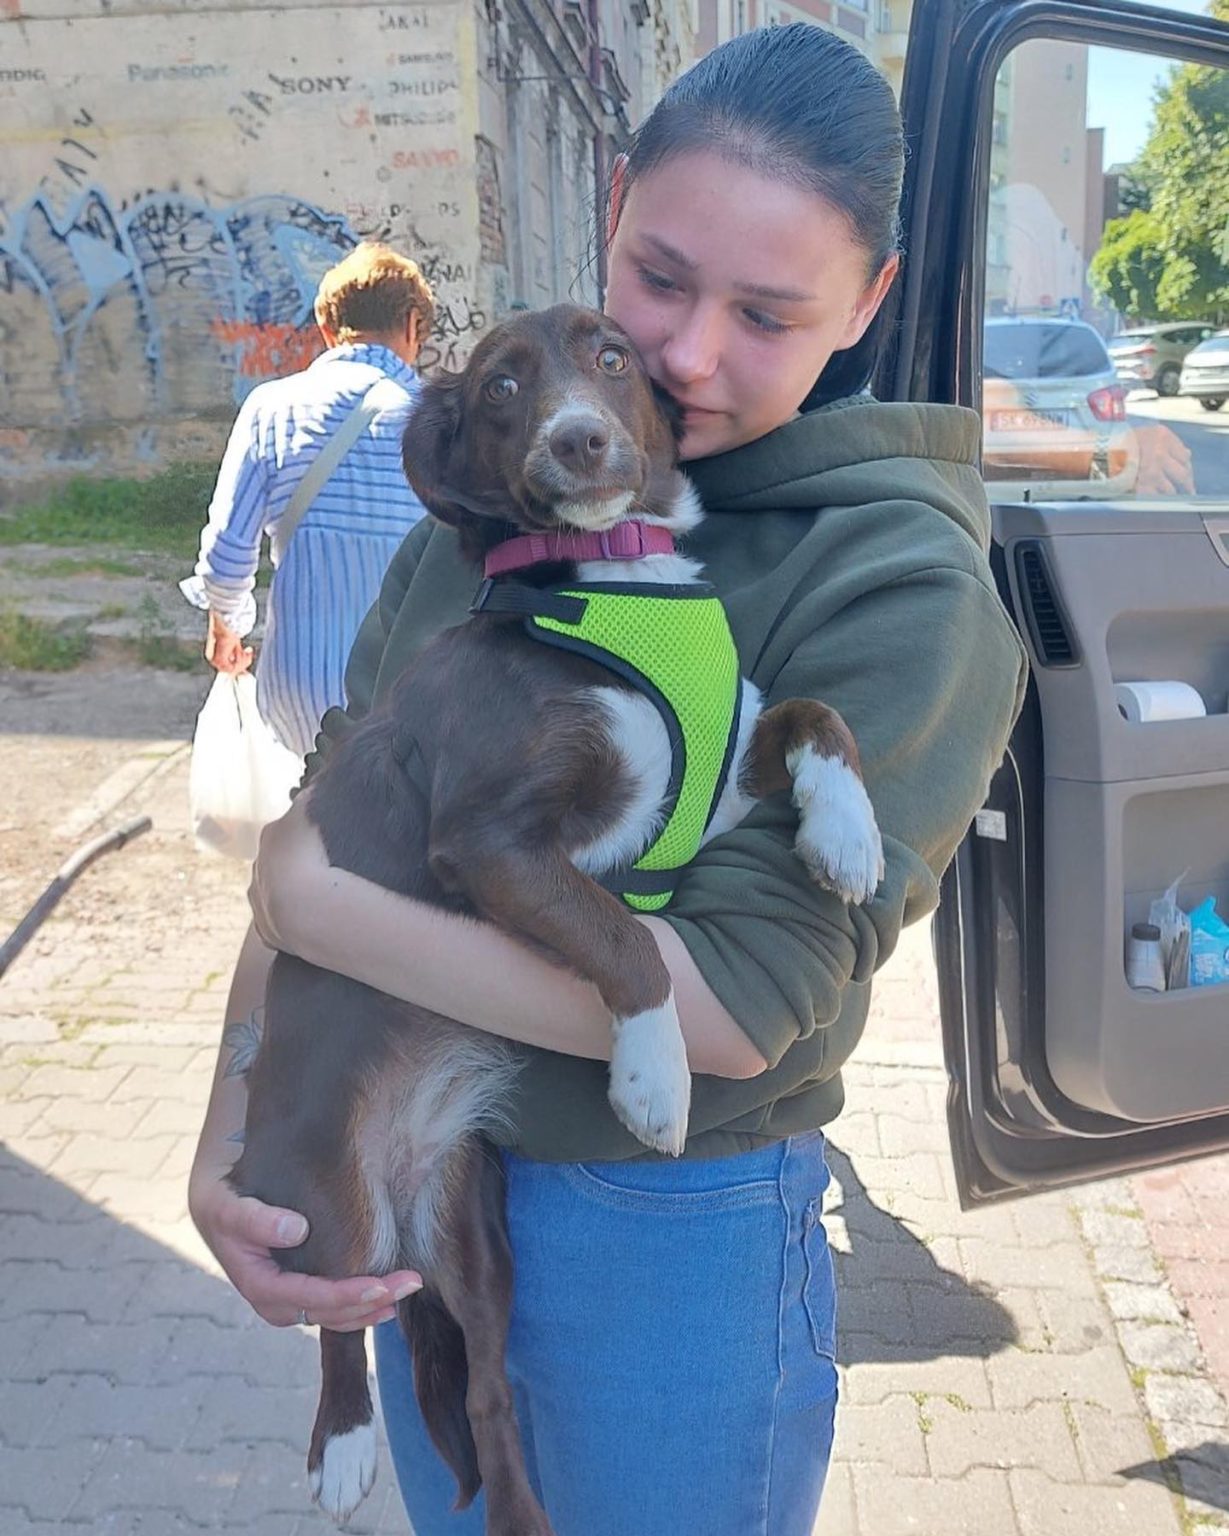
[(241, 1234), (1165, 467), (291, 865), (224, 649)]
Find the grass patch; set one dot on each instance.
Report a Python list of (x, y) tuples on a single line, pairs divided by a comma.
[(111, 611), (157, 645), (163, 514), (68, 565), (33, 645), (925, 1423)]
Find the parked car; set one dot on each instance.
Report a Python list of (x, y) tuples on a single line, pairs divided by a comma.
[(1054, 412), (1205, 374), (1058, 1069), (1151, 356)]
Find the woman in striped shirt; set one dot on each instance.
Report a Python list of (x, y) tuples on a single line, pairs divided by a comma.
[(373, 310)]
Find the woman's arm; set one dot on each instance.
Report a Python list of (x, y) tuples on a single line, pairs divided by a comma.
[(241, 1232), (460, 967)]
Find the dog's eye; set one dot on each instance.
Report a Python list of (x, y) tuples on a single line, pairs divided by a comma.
[(500, 388), (612, 359)]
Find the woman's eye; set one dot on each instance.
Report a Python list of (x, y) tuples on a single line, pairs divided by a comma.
[(656, 280), (612, 359), (500, 388), (767, 323)]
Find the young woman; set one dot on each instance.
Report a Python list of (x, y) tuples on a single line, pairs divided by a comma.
[(673, 1334)]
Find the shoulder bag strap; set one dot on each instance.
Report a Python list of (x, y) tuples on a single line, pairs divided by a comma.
[(377, 399)]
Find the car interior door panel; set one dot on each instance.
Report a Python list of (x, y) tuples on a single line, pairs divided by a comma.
[(1080, 1040)]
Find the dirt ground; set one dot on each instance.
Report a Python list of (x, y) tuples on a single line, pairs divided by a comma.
[(72, 744)]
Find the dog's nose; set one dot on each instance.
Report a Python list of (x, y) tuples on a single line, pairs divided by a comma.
[(580, 443)]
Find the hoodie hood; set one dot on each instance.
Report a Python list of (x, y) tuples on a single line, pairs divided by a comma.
[(852, 453)]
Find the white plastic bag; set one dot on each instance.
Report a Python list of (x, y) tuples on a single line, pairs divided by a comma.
[(241, 776)]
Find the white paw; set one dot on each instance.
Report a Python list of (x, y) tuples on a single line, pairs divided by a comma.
[(346, 1472), (837, 838), (650, 1081)]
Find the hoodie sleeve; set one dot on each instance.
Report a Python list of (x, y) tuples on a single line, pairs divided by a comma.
[(367, 652), (929, 674)]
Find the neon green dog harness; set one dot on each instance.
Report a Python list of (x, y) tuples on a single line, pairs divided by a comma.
[(673, 643)]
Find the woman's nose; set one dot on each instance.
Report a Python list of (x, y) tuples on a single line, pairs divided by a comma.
[(691, 352)]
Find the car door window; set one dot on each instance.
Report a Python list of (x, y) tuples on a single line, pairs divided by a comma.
[(1106, 217)]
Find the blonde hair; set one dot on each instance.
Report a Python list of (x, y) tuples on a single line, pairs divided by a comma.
[(373, 292)]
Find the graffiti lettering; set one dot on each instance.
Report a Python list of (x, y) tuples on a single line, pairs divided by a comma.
[(310, 85), (269, 351), (437, 270), (72, 173), (149, 73), (425, 159), (165, 274), (249, 113), (454, 323)]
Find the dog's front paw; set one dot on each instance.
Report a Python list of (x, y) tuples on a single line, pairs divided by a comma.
[(838, 839), (650, 1081), (342, 1478)]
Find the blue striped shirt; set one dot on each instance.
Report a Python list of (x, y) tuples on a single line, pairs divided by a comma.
[(330, 574)]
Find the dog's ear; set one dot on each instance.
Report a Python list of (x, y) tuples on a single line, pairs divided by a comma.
[(428, 441)]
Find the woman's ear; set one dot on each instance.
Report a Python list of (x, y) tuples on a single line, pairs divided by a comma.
[(427, 444), (870, 300), (618, 185)]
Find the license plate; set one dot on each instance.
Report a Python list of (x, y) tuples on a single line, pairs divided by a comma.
[(1027, 421)]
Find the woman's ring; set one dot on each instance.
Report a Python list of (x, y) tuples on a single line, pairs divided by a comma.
[(302, 1318)]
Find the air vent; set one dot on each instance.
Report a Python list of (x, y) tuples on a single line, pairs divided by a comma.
[(1048, 626)]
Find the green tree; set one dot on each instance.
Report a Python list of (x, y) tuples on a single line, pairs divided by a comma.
[(1185, 167), (1129, 266)]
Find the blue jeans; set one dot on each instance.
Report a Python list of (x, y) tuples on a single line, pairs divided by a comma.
[(671, 1349)]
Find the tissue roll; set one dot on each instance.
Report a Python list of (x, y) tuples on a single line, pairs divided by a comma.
[(1145, 702)]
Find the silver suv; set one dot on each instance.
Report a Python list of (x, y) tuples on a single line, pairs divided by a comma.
[(1151, 356)]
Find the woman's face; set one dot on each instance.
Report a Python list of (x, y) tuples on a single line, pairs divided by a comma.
[(736, 289)]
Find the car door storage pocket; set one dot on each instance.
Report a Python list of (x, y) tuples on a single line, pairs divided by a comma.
[(1130, 805)]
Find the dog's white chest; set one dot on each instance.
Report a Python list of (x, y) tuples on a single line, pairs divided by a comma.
[(638, 735)]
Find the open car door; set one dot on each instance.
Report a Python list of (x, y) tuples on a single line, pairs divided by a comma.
[(1059, 1069)]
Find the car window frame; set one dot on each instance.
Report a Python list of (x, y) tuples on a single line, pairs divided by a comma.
[(932, 299)]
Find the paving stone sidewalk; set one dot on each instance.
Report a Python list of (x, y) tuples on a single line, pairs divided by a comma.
[(1012, 1371)]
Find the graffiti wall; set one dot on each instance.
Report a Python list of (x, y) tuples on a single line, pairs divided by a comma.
[(172, 187)]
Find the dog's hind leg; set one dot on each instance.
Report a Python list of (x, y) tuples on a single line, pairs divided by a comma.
[(341, 1462), (806, 747), (474, 1280)]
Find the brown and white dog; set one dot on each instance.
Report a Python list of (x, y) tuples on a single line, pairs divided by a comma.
[(499, 779)]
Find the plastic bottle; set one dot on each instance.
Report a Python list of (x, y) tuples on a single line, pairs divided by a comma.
[(1145, 968)]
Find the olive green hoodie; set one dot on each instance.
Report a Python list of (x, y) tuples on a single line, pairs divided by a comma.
[(849, 547)]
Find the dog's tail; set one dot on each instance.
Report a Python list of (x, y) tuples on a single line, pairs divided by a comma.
[(441, 1378)]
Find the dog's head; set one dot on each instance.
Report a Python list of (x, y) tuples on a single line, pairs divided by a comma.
[(553, 424)]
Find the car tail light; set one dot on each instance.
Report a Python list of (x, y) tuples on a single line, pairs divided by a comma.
[(1109, 404)]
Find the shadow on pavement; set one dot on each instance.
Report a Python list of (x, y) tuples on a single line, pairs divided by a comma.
[(1202, 1473), (895, 1301), (119, 701), (161, 1401)]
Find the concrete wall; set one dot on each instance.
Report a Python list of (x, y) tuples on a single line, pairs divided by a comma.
[(175, 178)]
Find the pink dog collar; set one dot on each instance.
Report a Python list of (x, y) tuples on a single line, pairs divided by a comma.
[(625, 541)]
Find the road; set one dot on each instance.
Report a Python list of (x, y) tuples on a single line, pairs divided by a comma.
[(1205, 433)]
